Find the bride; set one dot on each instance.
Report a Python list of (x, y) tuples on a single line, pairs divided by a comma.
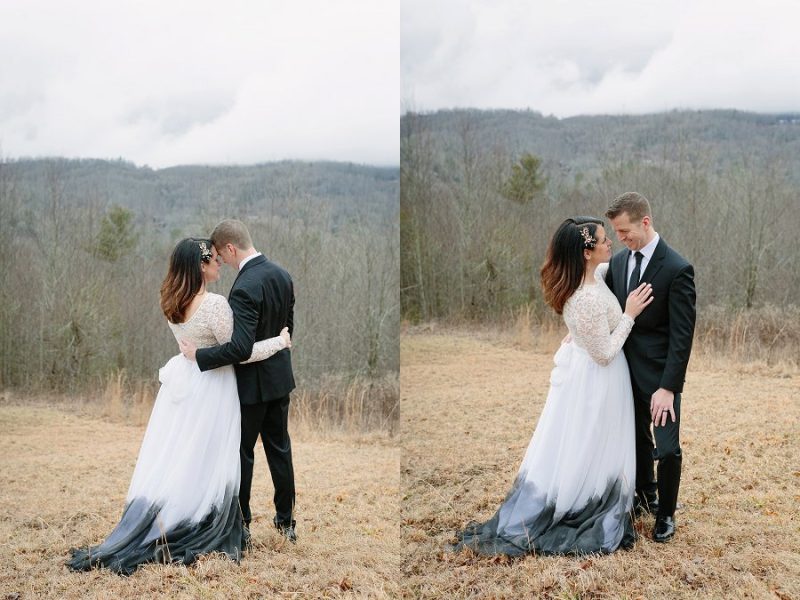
[(575, 488), (183, 498)]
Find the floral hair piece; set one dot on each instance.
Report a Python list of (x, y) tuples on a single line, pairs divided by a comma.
[(588, 240), (205, 252)]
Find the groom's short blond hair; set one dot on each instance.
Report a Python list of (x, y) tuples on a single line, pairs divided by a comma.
[(633, 203), (231, 231)]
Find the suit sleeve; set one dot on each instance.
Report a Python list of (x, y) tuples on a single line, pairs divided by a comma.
[(245, 320), (682, 315)]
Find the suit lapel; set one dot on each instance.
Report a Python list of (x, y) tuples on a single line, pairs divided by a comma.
[(654, 265), (620, 267)]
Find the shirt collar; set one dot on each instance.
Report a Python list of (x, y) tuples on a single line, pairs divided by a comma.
[(248, 259), (648, 250)]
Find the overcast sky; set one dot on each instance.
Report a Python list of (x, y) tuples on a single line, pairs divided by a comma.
[(573, 57), (165, 82)]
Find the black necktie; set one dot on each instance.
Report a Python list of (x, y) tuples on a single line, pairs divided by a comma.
[(633, 282)]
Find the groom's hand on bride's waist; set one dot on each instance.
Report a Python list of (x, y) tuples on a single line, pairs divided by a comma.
[(188, 349)]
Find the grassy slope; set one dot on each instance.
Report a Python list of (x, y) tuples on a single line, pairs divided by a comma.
[(469, 406), (63, 480)]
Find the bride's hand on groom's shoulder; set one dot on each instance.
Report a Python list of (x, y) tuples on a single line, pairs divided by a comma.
[(638, 300), (286, 337)]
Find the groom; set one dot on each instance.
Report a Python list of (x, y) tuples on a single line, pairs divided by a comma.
[(262, 300), (657, 351)]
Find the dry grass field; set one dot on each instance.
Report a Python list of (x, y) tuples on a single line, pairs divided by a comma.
[(64, 474), (470, 401)]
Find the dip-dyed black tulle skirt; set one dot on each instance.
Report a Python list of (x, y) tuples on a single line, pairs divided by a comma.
[(183, 500), (574, 490)]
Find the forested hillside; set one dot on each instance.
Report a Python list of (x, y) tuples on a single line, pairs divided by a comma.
[(87, 245), (482, 191)]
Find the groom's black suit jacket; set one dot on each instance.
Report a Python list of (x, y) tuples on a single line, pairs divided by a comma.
[(262, 300), (660, 342)]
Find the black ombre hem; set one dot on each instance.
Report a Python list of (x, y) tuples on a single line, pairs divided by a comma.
[(126, 548), (578, 532)]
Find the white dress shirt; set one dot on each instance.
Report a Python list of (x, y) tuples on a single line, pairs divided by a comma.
[(647, 254), (248, 259)]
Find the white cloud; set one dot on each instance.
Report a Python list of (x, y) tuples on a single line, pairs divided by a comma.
[(176, 82), (585, 57)]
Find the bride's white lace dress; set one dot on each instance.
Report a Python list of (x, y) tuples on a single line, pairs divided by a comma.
[(183, 499), (574, 490)]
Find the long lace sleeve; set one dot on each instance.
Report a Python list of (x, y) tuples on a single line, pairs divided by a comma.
[(222, 326), (266, 348), (593, 331)]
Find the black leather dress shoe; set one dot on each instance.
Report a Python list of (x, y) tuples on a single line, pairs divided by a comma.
[(288, 532), (664, 529)]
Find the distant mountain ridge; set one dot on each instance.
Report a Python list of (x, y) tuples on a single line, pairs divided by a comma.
[(581, 142), (346, 190)]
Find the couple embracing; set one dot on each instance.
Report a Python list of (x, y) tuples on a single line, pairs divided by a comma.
[(190, 490), (589, 467)]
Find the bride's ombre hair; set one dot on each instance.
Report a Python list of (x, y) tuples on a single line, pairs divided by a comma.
[(564, 265), (184, 278)]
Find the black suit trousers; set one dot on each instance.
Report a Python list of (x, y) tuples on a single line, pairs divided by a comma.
[(270, 420), (666, 450)]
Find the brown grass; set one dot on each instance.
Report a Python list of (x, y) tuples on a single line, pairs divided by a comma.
[(333, 405), (65, 466), (470, 400), (354, 405), (766, 335)]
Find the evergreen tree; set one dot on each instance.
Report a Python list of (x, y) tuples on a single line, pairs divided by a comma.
[(116, 236), (525, 181)]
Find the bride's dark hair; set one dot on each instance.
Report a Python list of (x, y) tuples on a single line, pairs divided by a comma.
[(562, 271), (184, 278)]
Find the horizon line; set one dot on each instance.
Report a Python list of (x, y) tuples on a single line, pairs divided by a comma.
[(121, 159)]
